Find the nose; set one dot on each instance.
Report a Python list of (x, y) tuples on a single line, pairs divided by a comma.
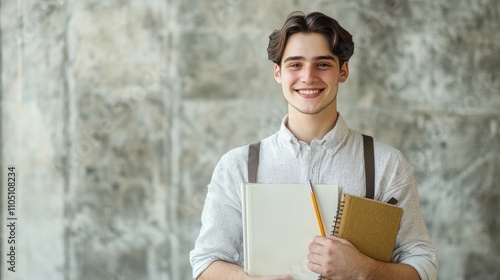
[(309, 74)]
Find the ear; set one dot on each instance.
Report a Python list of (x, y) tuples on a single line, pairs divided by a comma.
[(277, 73), (344, 72)]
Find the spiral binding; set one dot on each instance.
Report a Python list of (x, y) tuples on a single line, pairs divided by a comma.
[(340, 210)]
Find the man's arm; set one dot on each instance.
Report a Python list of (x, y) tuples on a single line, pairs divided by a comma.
[(221, 270), (381, 270), (337, 258)]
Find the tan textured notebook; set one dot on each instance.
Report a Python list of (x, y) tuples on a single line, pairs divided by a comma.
[(370, 225)]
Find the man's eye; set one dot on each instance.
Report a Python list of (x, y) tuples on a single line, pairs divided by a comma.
[(323, 65)]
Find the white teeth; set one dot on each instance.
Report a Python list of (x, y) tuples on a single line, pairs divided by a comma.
[(308, 91)]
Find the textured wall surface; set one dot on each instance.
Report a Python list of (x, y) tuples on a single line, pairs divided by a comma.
[(114, 114)]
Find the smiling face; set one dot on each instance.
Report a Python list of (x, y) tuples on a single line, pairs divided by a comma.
[(309, 75)]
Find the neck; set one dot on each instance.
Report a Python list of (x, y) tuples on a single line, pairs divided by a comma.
[(306, 127)]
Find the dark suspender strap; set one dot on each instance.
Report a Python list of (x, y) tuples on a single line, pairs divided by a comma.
[(253, 162), (369, 166)]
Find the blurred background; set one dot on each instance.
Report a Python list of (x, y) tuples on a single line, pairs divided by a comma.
[(114, 114)]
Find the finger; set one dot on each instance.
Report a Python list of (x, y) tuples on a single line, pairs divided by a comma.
[(320, 243), (338, 239), (329, 240), (319, 239), (317, 263), (314, 267), (315, 248)]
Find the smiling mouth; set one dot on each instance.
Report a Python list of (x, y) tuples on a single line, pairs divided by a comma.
[(308, 91)]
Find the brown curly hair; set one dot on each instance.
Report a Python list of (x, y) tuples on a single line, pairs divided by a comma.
[(339, 39)]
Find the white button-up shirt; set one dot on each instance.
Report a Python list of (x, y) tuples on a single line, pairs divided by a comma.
[(336, 159)]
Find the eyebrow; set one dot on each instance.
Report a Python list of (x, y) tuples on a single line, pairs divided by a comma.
[(321, 57)]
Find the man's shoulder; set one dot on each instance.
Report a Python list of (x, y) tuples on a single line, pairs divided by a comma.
[(379, 145), (382, 150), (386, 154), (385, 149), (234, 155), (240, 153)]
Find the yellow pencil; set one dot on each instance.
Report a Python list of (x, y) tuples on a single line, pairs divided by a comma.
[(315, 203)]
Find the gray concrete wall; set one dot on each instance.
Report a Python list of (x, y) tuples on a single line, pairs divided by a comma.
[(114, 114)]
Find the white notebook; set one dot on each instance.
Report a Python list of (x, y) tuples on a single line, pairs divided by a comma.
[(279, 223)]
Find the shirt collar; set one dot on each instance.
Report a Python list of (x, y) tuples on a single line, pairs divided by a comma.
[(332, 140)]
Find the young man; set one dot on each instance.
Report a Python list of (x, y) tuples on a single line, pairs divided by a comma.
[(311, 54)]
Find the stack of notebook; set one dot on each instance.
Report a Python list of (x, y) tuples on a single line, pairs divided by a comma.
[(279, 223)]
